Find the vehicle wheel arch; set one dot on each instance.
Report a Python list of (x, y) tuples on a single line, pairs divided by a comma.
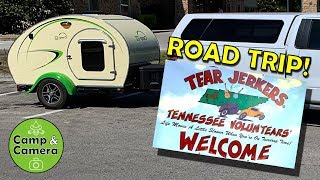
[(65, 80)]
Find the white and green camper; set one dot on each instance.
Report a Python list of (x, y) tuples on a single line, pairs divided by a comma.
[(61, 56)]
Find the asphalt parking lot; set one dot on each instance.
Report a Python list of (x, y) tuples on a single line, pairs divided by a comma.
[(107, 137)]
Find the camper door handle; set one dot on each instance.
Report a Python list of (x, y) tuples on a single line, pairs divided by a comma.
[(69, 57)]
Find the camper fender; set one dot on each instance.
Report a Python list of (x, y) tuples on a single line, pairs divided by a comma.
[(65, 80)]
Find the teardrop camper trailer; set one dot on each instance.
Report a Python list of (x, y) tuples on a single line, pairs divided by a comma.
[(64, 55)]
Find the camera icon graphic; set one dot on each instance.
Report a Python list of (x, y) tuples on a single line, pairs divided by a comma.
[(36, 164)]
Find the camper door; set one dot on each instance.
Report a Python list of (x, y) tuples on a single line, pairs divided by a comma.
[(91, 56)]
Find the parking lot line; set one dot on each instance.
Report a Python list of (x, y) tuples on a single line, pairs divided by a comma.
[(43, 114), (4, 94)]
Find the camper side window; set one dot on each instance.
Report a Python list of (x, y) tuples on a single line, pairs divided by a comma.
[(92, 56)]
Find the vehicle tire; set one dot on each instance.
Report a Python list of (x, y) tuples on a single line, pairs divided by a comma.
[(224, 112), (242, 116), (52, 94), (261, 117)]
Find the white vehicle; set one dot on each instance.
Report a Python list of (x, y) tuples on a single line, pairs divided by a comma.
[(287, 33), (64, 55)]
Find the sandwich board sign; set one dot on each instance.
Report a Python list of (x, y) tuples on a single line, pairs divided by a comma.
[(229, 114)]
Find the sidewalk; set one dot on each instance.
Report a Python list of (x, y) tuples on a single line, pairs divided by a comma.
[(6, 77), (9, 37), (5, 74)]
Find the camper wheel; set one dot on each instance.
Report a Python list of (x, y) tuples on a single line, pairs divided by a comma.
[(52, 94)]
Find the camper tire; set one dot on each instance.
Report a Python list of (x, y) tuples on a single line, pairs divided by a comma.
[(52, 94)]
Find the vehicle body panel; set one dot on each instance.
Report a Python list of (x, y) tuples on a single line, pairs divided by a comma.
[(285, 44)]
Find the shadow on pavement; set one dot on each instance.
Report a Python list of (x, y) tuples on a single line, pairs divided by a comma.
[(131, 100), (310, 117)]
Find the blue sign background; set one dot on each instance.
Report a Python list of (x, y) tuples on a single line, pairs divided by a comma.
[(176, 94)]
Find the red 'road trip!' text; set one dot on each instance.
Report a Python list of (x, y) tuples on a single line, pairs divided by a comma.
[(214, 77), (215, 147)]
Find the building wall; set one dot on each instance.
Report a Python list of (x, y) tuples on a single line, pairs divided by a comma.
[(146, 3), (234, 6), (164, 11), (110, 6), (135, 8), (309, 5), (80, 6), (181, 9)]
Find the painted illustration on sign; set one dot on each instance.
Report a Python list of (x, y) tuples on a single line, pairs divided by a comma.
[(229, 114)]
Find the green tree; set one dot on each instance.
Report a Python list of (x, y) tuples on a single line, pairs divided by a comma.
[(278, 5), (268, 6), (18, 15)]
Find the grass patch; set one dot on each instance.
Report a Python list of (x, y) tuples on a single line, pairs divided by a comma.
[(3, 61), (163, 56), (4, 69)]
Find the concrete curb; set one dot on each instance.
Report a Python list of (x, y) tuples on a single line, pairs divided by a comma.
[(6, 78), (4, 51), (9, 37), (5, 75)]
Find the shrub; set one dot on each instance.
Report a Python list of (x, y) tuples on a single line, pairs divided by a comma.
[(149, 20), (18, 15)]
